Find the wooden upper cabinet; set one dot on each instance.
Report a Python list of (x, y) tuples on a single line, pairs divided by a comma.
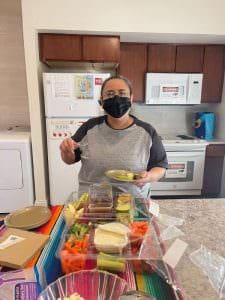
[(133, 65), (101, 48), (161, 58), (71, 47), (213, 73), (189, 58), (64, 47)]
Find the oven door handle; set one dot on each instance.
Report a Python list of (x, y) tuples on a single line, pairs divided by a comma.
[(184, 154)]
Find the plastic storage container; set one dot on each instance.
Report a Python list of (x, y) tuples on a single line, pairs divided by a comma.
[(109, 246)]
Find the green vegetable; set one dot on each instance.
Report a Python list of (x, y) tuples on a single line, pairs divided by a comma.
[(80, 230), (109, 262)]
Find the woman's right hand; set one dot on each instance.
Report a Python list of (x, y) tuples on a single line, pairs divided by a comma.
[(67, 148)]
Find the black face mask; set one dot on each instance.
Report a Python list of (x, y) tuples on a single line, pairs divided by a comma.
[(116, 106)]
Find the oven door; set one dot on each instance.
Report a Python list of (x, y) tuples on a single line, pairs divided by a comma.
[(184, 175)]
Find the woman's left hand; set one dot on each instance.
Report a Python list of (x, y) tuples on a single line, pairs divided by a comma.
[(145, 177), (150, 176)]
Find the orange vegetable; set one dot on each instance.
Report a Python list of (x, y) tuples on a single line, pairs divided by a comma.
[(73, 255)]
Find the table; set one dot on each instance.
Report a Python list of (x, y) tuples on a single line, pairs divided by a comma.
[(204, 224)]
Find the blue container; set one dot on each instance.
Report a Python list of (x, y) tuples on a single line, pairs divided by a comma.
[(204, 125)]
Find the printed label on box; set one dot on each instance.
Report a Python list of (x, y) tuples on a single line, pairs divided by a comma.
[(11, 240)]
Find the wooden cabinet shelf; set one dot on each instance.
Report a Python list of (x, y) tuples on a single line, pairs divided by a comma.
[(213, 170), (133, 58), (101, 48), (86, 48), (64, 47), (213, 74), (161, 58), (189, 59)]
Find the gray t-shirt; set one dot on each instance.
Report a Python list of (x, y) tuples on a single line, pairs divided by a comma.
[(136, 148)]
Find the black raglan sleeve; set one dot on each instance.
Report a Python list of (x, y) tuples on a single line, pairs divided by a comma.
[(158, 156), (77, 137)]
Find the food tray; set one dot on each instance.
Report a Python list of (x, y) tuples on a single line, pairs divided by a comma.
[(106, 211), (140, 248)]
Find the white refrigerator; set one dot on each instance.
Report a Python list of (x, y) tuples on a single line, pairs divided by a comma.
[(70, 99)]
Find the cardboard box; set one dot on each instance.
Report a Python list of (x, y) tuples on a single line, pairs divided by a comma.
[(17, 247)]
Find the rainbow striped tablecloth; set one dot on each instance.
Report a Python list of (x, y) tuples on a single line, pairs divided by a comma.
[(48, 268)]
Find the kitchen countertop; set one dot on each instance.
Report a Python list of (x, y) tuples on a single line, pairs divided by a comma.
[(216, 141), (204, 224)]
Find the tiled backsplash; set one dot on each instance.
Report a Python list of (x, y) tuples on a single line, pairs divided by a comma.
[(169, 119)]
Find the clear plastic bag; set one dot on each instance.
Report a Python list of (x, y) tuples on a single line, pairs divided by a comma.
[(213, 265)]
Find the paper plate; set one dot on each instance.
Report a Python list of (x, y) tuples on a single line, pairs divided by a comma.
[(28, 218), (116, 174)]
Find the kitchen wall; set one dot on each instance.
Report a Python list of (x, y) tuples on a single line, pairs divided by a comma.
[(146, 21), (171, 120), (13, 87)]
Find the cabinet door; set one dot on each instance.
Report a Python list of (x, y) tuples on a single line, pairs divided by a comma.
[(133, 64), (213, 170), (64, 47), (213, 74), (161, 58), (189, 59), (101, 48)]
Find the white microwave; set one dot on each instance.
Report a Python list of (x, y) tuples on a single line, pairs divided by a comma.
[(173, 88)]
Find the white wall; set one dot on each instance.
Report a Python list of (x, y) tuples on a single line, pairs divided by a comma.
[(13, 86), (146, 20)]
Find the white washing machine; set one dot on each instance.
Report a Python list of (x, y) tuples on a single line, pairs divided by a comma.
[(16, 172)]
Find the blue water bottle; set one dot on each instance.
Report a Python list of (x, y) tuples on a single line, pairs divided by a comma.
[(204, 125)]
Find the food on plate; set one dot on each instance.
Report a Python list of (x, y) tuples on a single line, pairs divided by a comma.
[(74, 296), (110, 262), (111, 237), (123, 175), (75, 209)]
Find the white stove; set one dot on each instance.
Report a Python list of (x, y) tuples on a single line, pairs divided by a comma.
[(186, 158), (182, 143)]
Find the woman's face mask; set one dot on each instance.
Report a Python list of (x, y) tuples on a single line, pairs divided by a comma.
[(116, 106)]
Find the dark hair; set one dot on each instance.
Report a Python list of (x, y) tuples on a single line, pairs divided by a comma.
[(127, 81)]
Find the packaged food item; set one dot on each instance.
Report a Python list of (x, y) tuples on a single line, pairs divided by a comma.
[(20, 284)]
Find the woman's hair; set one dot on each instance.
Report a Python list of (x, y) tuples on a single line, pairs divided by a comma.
[(127, 81)]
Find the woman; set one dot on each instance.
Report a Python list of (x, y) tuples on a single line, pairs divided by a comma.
[(117, 140)]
